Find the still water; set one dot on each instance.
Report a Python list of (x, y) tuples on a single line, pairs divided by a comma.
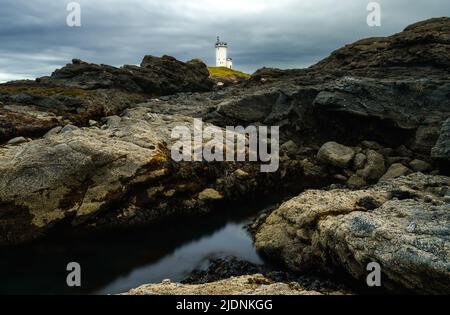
[(116, 262)]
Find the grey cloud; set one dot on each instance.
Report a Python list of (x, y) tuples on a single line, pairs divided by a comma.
[(34, 39)]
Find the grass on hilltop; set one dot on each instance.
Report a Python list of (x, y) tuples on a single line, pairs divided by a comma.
[(226, 73)]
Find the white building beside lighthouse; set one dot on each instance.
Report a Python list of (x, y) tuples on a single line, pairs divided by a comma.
[(222, 59)]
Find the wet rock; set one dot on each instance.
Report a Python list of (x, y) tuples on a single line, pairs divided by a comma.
[(220, 269), (335, 154)]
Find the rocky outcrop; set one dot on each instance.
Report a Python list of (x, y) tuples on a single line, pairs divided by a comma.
[(82, 91), (157, 76), (67, 159), (422, 47), (120, 174), (403, 224), (244, 285), (393, 90)]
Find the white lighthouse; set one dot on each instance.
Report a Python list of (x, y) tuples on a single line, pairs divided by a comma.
[(221, 55)]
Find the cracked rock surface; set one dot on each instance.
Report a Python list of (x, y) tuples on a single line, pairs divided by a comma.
[(403, 224)]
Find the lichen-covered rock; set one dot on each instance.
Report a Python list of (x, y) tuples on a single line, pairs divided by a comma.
[(73, 174), (244, 285), (120, 174), (391, 223)]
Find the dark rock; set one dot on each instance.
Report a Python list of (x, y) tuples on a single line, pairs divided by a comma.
[(441, 151), (420, 166)]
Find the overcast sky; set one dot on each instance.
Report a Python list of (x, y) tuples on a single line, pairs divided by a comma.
[(35, 39)]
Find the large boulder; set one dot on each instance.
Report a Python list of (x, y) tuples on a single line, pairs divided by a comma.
[(336, 154), (73, 173), (403, 224)]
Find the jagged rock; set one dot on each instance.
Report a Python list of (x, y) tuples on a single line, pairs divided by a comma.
[(165, 75), (244, 285), (335, 154), (424, 45), (396, 170), (389, 223), (420, 166), (375, 167)]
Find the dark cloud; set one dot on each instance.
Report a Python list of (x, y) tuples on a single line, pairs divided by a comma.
[(34, 37)]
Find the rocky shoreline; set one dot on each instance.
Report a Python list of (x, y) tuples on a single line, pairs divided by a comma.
[(364, 138)]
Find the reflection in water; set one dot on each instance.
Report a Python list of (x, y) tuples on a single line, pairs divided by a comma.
[(231, 240), (115, 262)]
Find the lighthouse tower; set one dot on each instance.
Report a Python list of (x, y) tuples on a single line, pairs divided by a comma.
[(221, 55)]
